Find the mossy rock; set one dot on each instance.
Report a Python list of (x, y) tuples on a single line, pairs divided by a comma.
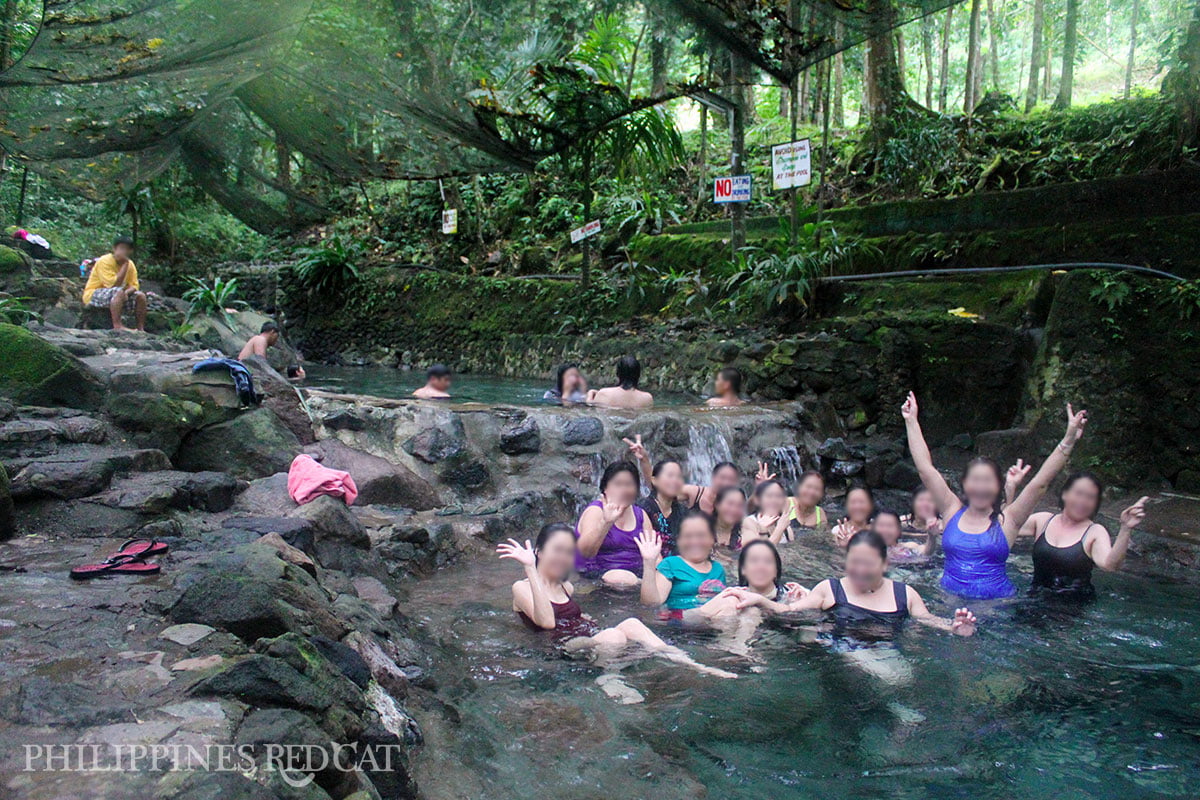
[(35, 372), (12, 260)]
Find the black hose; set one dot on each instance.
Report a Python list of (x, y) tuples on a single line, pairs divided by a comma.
[(920, 273)]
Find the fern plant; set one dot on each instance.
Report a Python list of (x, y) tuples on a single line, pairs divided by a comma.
[(213, 300), (328, 268)]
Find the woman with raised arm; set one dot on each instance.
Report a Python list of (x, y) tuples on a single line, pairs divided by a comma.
[(724, 475), (804, 507), (609, 527), (663, 505), (1067, 545), (860, 507), (686, 581), (544, 601), (865, 603), (770, 520), (979, 532)]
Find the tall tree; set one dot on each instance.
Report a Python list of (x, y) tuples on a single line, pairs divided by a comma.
[(993, 45), (737, 145), (1182, 83), (1133, 23), (839, 81), (1035, 55), (969, 99), (927, 57), (660, 56), (944, 69), (884, 82), (1066, 83)]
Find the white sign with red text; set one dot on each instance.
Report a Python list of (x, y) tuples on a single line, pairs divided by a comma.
[(732, 189), (591, 229), (791, 165)]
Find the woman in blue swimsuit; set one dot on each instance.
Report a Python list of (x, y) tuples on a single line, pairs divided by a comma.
[(980, 531)]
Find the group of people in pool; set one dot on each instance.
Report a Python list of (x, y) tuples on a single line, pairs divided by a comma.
[(571, 388), (674, 544)]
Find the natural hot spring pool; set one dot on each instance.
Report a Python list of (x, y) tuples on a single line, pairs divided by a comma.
[(490, 389), (1098, 703)]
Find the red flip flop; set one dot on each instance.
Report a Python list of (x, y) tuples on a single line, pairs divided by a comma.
[(118, 565), (140, 548)]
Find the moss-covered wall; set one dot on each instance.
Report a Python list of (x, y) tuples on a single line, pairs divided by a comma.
[(1136, 368)]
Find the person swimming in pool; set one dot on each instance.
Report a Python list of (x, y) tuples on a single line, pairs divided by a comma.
[(609, 527), (922, 518), (729, 513), (725, 474), (569, 385), (626, 393), (805, 514), (864, 602), (437, 384), (760, 570), (887, 525), (1069, 543), (663, 505), (727, 389), (770, 519), (860, 507), (544, 600), (683, 582), (980, 531)]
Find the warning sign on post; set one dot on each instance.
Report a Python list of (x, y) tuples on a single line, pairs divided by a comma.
[(450, 220), (732, 189), (591, 229), (791, 165)]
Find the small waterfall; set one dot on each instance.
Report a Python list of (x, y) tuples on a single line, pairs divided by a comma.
[(707, 447), (786, 464)]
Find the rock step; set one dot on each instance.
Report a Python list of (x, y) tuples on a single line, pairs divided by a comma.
[(67, 476)]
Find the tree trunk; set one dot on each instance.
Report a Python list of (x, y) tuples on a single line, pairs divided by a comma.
[(993, 45), (927, 57), (1070, 39), (1182, 83), (8, 17), (283, 171), (839, 79), (737, 148), (900, 53), (969, 98), (1133, 20), (944, 66), (585, 173), (884, 81), (660, 57), (1035, 55), (1047, 77)]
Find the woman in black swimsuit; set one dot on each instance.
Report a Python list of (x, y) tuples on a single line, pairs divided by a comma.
[(1070, 543), (865, 600), (544, 601), (663, 505)]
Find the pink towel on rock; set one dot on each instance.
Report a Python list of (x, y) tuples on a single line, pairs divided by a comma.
[(308, 480)]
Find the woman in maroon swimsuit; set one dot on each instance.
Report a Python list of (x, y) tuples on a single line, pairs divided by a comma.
[(544, 602)]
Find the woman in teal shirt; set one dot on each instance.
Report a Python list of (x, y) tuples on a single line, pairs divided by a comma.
[(686, 581)]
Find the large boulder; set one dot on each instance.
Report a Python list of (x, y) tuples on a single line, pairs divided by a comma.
[(35, 372), (379, 481), (251, 445)]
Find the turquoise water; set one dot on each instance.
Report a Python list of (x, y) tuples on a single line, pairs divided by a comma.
[(491, 389), (1099, 702)]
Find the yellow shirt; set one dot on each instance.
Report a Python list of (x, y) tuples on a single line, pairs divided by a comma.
[(104, 276)]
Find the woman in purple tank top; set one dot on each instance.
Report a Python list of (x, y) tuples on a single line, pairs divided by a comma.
[(980, 531), (609, 527)]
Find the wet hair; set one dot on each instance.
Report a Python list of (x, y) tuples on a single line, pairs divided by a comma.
[(696, 513), (547, 533), (810, 473), (733, 376), (268, 327), (742, 561), (561, 373), (123, 240), (761, 489), (720, 465), (871, 539), (616, 468), (861, 487), (1083, 475), (293, 370), (721, 495), (629, 372), (998, 503), (438, 371), (658, 468)]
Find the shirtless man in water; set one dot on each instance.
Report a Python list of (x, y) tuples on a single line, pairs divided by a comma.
[(728, 387), (437, 384), (626, 394), (257, 345)]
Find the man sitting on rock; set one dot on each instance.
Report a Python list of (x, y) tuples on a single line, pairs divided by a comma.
[(257, 344), (113, 282), (437, 384)]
